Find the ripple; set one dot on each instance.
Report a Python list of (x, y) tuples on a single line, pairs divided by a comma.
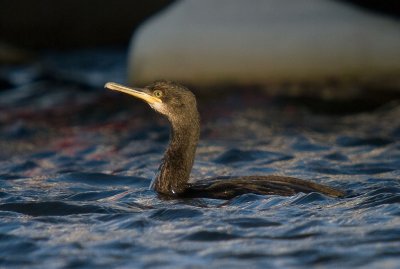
[(349, 141), (9, 177), (25, 166), (210, 236), (379, 199), (251, 222), (51, 208), (175, 214), (104, 179), (237, 155), (14, 248), (135, 224), (93, 195), (310, 198), (388, 190), (353, 169), (303, 230), (385, 235), (305, 144), (336, 156)]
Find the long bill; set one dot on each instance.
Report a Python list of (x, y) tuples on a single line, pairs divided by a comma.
[(136, 92)]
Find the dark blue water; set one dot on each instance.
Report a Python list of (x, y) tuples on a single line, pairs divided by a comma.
[(76, 162)]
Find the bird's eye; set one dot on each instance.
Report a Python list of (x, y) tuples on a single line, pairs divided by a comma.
[(158, 93)]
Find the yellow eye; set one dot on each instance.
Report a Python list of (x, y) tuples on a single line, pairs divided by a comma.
[(158, 93)]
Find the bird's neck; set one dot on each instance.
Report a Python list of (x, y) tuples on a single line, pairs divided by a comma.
[(177, 163)]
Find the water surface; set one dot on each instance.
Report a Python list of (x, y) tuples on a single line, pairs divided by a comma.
[(76, 162)]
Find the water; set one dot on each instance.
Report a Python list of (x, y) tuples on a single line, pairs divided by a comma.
[(76, 162)]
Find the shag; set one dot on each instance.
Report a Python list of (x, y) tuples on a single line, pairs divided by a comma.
[(178, 104)]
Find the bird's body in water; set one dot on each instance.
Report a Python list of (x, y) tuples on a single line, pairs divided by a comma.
[(178, 104)]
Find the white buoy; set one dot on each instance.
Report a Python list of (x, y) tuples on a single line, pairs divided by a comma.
[(212, 42)]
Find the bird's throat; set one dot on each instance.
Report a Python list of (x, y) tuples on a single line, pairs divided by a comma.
[(177, 163)]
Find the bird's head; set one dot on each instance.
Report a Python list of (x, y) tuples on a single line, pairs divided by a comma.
[(174, 101)]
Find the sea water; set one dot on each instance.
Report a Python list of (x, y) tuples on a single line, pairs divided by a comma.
[(76, 162)]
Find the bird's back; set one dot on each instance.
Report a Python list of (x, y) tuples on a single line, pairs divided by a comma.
[(229, 187)]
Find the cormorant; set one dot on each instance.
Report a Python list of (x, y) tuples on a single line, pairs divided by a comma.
[(178, 104)]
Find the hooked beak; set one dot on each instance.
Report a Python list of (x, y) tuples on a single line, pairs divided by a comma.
[(138, 93)]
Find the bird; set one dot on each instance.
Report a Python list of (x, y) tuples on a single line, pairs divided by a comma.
[(178, 104)]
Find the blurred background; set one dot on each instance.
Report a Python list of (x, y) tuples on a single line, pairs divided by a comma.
[(325, 50)]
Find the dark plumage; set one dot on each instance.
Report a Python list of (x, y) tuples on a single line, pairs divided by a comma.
[(178, 104)]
